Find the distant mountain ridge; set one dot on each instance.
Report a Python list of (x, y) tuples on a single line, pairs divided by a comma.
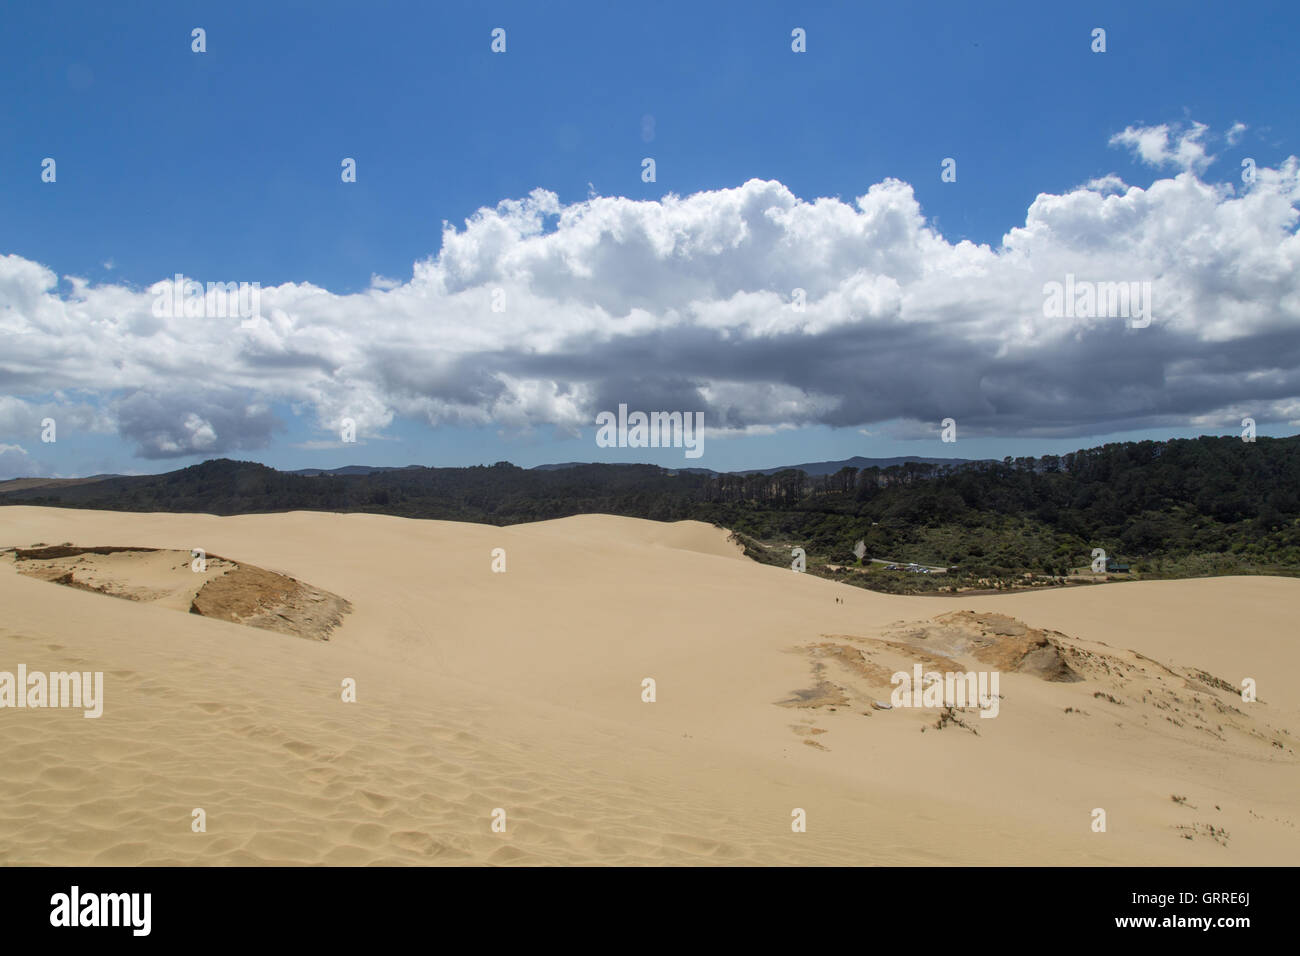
[(817, 468), (1209, 505), (350, 470), (811, 468), (814, 469)]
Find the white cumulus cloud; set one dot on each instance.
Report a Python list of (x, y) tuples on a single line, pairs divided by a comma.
[(537, 313)]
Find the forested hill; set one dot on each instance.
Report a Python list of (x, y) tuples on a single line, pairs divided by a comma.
[(1221, 497)]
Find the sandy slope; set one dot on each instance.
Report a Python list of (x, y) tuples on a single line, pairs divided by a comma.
[(522, 691)]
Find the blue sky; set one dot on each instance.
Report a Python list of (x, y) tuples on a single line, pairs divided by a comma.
[(225, 166)]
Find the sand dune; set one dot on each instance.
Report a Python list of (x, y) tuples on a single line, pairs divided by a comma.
[(522, 691), (199, 583)]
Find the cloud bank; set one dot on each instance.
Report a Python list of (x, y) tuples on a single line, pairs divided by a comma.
[(537, 313)]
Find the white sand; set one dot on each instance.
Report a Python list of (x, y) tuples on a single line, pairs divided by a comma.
[(522, 691)]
